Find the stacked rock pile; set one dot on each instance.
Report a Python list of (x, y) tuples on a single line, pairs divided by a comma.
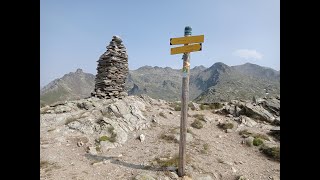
[(112, 71)]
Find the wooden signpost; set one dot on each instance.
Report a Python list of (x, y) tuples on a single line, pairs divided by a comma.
[(187, 40), (186, 49)]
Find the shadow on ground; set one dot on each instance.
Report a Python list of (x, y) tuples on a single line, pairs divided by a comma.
[(115, 160)]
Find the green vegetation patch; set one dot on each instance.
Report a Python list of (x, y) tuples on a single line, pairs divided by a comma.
[(197, 124), (273, 152), (257, 142)]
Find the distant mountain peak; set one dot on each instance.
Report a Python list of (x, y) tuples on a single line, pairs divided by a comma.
[(198, 68), (145, 67), (218, 66), (79, 70)]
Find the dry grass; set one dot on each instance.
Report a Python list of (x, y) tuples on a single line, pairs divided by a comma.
[(199, 117), (206, 146), (273, 152), (48, 166), (173, 161), (166, 137), (176, 106), (197, 124), (162, 114), (261, 136), (246, 133), (225, 126), (210, 106)]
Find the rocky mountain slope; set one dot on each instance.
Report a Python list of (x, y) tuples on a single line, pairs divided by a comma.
[(216, 83), (74, 85), (137, 137), (223, 83)]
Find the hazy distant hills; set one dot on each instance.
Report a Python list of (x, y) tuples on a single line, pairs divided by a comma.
[(216, 83)]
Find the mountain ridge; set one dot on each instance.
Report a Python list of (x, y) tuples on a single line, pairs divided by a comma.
[(218, 82)]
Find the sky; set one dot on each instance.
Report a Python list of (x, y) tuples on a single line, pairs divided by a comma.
[(74, 33)]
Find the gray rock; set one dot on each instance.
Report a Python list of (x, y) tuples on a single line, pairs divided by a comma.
[(122, 136), (269, 144), (84, 105), (229, 115), (86, 126), (96, 113), (272, 105), (186, 178), (142, 137), (249, 141), (277, 121), (173, 175), (242, 178), (228, 131), (189, 137), (62, 109), (144, 176), (171, 168), (106, 145), (207, 119), (92, 151), (247, 121), (195, 106), (203, 177)]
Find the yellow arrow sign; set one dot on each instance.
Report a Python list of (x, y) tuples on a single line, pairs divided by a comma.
[(186, 49), (187, 40)]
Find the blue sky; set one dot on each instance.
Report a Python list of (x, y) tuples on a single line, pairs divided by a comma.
[(74, 33)]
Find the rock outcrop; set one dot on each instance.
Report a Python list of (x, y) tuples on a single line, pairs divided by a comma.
[(107, 121)]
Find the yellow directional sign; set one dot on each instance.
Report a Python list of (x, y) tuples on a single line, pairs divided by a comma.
[(186, 49), (187, 40)]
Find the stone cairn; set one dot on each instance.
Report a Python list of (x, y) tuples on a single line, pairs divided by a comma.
[(112, 71)]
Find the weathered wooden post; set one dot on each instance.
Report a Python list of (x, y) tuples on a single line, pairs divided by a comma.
[(184, 107), (186, 49)]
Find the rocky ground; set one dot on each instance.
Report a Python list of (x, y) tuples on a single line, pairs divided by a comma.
[(137, 138)]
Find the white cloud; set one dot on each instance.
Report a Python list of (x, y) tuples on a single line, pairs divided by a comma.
[(248, 54)]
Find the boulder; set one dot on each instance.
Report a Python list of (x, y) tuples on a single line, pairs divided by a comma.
[(249, 141), (247, 121), (277, 121), (272, 105), (188, 139), (106, 145), (92, 150), (195, 106), (257, 112), (142, 137)]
